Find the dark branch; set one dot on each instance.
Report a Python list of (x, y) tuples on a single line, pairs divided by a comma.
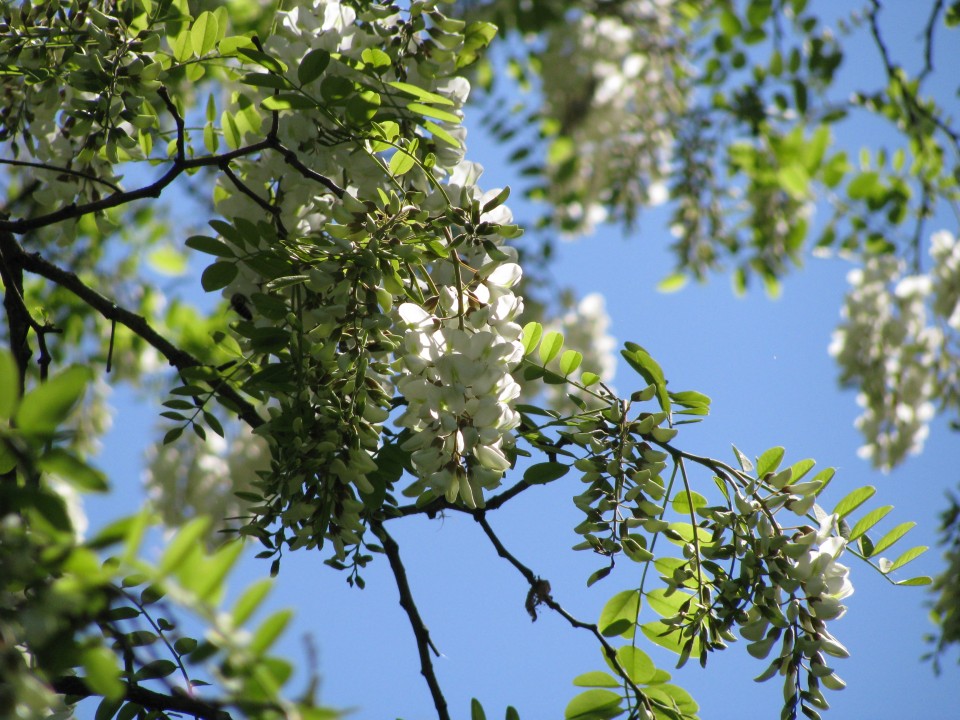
[(203, 709), (292, 159), (928, 39), (540, 588), (180, 359), (264, 205), (19, 321), (62, 171), (424, 644), (441, 504)]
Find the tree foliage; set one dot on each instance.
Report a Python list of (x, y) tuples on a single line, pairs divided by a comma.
[(371, 357)]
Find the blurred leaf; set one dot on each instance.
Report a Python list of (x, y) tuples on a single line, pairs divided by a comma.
[(9, 384), (47, 406), (73, 470), (103, 672)]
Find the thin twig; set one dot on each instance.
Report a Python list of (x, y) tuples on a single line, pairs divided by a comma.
[(424, 643), (537, 585), (62, 171)]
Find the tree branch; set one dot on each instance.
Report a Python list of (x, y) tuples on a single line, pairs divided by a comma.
[(424, 644), (202, 709), (180, 359), (540, 589), (61, 170)]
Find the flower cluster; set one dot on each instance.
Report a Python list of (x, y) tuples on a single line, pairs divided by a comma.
[(886, 348), (585, 328), (610, 81), (825, 581), (456, 377), (193, 477)]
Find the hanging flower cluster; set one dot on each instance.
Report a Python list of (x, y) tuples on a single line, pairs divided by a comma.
[(896, 351), (455, 372), (611, 81), (825, 581), (885, 347)]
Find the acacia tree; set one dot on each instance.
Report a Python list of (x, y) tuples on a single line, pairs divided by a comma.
[(371, 345), (730, 112)]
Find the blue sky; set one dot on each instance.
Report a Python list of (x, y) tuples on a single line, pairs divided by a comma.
[(765, 365)]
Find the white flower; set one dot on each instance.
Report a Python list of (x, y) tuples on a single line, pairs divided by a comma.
[(825, 581)]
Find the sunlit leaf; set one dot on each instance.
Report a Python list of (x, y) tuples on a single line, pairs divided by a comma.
[(619, 613)]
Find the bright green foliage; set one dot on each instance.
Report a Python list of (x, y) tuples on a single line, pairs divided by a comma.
[(369, 339)]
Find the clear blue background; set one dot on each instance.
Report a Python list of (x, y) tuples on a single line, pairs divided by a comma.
[(765, 365)]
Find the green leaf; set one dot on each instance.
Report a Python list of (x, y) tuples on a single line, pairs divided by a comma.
[(182, 47), (672, 282), (744, 461), (596, 679), (570, 361), (401, 163), (420, 93), (442, 134), (210, 246), (215, 571), (868, 521), (312, 65), (185, 645), (917, 581), (476, 710), (262, 59), (619, 614), (251, 599), (685, 500), (908, 556), (512, 713), (667, 605), (363, 106), (167, 261), (795, 180), (187, 540), (588, 378), (49, 404), (891, 537), (231, 133), (593, 705), (155, 669), (9, 385), (288, 101), (854, 500), (269, 631), (648, 368), (73, 470), (376, 58), (550, 346), (637, 664), (668, 637), (532, 332), (545, 472), (769, 461), (432, 112), (205, 33), (107, 708), (103, 672), (218, 276)]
